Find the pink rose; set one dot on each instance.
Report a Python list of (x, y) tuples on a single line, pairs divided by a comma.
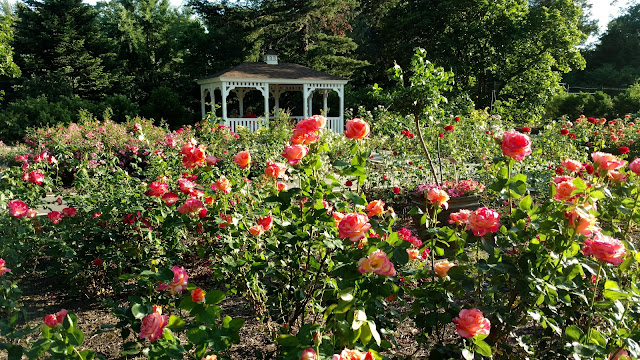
[(3, 269), (378, 263), (190, 206), (36, 177), (276, 170), (460, 218), (375, 207), (438, 197), (69, 212), (353, 226), (619, 354), (301, 137), (471, 322), (17, 208), (55, 217), (50, 320), (311, 124), (606, 161), (157, 189), (605, 248), (348, 354), (309, 354), (243, 159), (211, 160), (32, 213), (170, 198), (484, 221), (153, 325), (357, 129), (616, 176), (635, 166), (256, 230), (179, 282), (516, 145), (572, 165), (295, 153)]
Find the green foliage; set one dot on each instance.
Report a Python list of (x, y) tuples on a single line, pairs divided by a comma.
[(58, 51)]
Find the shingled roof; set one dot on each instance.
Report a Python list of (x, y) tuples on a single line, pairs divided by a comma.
[(260, 70)]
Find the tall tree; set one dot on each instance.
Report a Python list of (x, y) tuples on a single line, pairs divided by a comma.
[(615, 60), (7, 67), (56, 49), (308, 32), (512, 51)]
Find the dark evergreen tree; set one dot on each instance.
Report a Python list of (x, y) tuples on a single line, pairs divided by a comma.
[(56, 48)]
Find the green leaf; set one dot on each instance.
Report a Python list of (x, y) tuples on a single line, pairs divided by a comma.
[(287, 341), (175, 323), (525, 203), (482, 347), (236, 324), (75, 337), (139, 310), (346, 294), (573, 332), (365, 335), (214, 297), (613, 292), (400, 255)]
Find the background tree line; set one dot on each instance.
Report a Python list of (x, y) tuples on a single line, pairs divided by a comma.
[(142, 57)]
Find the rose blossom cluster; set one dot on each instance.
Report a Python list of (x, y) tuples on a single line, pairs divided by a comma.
[(193, 156), (18, 209), (53, 320), (482, 221), (263, 225)]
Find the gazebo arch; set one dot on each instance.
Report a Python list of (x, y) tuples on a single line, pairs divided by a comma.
[(272, 79)]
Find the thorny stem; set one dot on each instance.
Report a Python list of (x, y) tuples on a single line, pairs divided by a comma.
[(424, 148), (593, 299), (635, 203)]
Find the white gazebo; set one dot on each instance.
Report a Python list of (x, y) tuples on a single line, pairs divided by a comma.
[(272, 79)]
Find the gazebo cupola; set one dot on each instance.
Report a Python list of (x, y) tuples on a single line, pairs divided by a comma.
[(271, 57), (272, 79)]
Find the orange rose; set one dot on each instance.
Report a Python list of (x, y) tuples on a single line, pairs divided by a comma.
[(438, 197), (443, 267), (375, 207), (564, 190), (471, 322), (197, 295), (357, 129), (223, 185), (276, 170), (243, 159), (256, 230), (295, 153)]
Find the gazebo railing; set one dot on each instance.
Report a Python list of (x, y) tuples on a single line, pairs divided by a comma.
[(252, 124), (335, 124)]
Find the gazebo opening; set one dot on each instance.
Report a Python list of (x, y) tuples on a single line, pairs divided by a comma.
[(250, 93)]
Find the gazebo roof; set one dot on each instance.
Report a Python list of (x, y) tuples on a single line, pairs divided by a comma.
[(263, 71)]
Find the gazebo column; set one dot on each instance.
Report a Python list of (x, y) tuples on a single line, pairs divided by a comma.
[(203, 98), (341, 119), (276, 98), (325, 94), (265, 93), (240, 93), (305, 102), (225, 93)]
